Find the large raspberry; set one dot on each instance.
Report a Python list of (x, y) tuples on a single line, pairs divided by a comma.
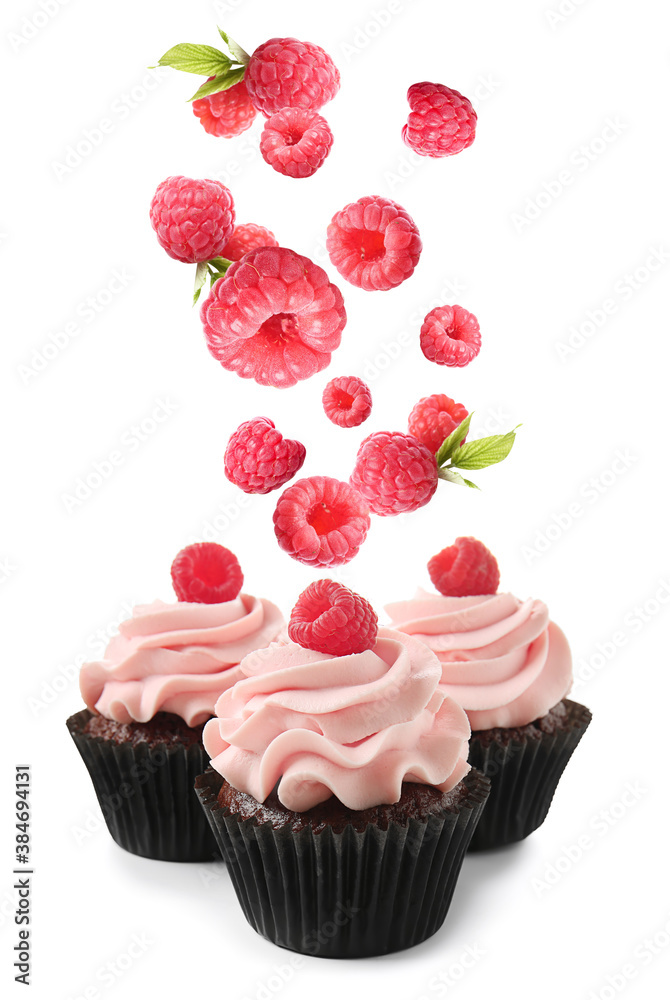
[(347, 401), (286, 73), (374, 243), (258, 459), (394, 472), (206, 573), (321, 521), (247, 236), (226, 114), (295, 142), (330, 618), (193, 219), (441, 121), (275, 317), (434, 418), (450, 336), (466, 568)]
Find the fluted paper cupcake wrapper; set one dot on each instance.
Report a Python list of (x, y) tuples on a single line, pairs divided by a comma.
[(524, 775), (348, 894), (146, 795)]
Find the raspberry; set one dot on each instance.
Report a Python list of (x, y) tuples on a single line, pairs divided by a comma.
[(374, 243), (394, 472), (321, 521), (206, 573), (246, 237), (275, 317), (330, 618), (441, 121), (258, 459), (286, 73), (226, 114), (434, 418), (465, 569), (347, 401), (295, 142), (193, 219), (450, 336)]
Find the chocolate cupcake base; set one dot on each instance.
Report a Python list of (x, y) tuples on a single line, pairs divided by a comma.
[(337, 883), (524, 766), (143, 775)]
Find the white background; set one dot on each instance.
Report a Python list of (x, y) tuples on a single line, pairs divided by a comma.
[(548, 81)]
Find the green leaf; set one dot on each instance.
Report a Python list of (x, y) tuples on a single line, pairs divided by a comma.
[(484, 452), (201, 59), (473, 486), (201, 273), (451, 476), (236, 51), (220, 264), (219, 83), (452, 443)]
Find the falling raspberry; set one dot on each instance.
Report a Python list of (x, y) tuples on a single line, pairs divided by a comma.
[(287, 73), (227, 113), (206, 573), (347, 401), (441, 121), (275, 317), (321, 521), (258, 459), (450, 336), (434, 418), (330, 618), (246, 237), (295, 142), (193, 219), (374, 243), (395, 473), (466, 568)]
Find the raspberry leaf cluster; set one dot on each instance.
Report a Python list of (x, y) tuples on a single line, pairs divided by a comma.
[(204, 60), (479, 454)]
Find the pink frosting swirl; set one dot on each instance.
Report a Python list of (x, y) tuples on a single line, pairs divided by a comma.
[(502, 659), (177, 658), (352, 726)]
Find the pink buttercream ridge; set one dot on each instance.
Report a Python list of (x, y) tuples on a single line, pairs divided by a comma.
[(177, 658), (355, 726), (502, 659)]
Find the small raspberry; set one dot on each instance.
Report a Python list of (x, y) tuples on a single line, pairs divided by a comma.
[(206, 573), (295, 142), (434, 418), (321, 521), (347, 401), (258, 459), (466, 568), (247, 237), (394, 472), (330, 618), (286, 73), (226, 114), (374, 243), (193, 219), (275, 317), (450, 336), (441, 121)]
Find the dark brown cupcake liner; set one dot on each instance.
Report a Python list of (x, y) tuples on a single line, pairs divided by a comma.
[(348, 894), (524, 773), (146, 794)]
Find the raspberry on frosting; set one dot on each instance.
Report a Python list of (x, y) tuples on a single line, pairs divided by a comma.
[(275, 317), (206, 573), (193, 219), (321, 521), (347, 401), (441, 121), (295, 142), (374, 243), (258, 459), (465, 568), (330, 618), (227, 113), (287, 73), (395, 473)]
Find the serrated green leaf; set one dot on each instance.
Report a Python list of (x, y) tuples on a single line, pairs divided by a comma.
[(473, 486), (219, 83), (484, 452), (452, 443), (236, 51), (200, 59)]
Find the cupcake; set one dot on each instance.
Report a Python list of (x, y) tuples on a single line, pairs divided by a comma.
[(510, 668), (339, 790), (140, 735)]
